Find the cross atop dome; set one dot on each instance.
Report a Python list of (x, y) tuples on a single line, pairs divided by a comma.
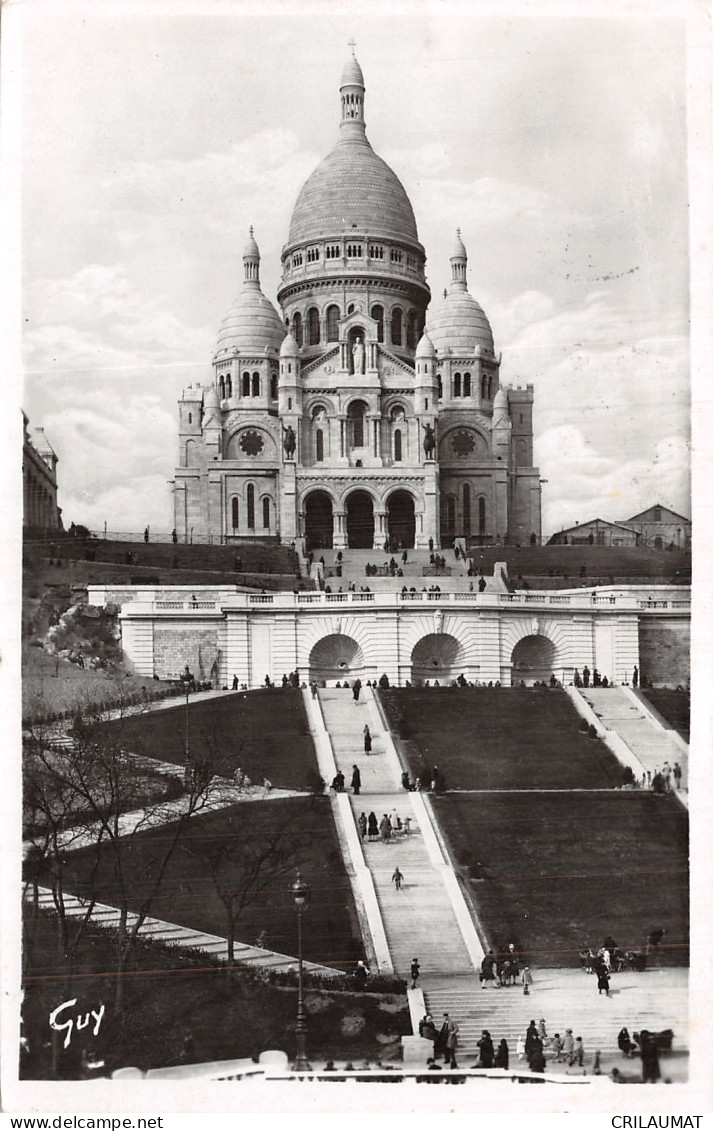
[(352, 44)]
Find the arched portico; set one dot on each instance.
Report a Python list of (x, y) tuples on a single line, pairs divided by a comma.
[(401, 520), (335, 658), (533, 659), (436, 656), (319, 520), (360, 520)]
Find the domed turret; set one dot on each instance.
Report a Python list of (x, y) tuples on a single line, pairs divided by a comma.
[(459, 323), (289, 347), (252, 325), (425, 348)]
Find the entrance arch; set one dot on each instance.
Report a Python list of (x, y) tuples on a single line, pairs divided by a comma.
[(318, 521), (360, 521), (401, 519), (533, 658), (436, 656), (335, 657)]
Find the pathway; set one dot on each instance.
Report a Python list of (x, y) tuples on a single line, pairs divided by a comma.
[(622, 713)]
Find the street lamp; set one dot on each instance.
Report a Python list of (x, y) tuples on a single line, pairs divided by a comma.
[(187, 681), (300, 893)]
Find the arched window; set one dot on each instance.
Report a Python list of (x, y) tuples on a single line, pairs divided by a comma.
[(251, 507), (332, 323), (398, 456), (266, 514), (313, 326), (235, 507), (440, 386), (450, 513), (411, 330), (246, 384), (273, 386), (456, 384), (190, 417), (491, 380), (256, 384), (466, 384), (228, 386), (221, 381), (319, 445), (481, 515), (355, 413), (466, 508), (377, 313), (297, 328), (396, 327)]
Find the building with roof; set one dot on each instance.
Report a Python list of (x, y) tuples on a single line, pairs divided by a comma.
[(661, 528), (360, 414), (596, 532), (39, 480)]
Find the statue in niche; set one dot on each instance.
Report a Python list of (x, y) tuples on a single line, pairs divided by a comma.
[(429, 440), (289, 441), (358, 355)]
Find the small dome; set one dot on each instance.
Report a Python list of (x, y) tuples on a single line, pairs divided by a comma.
[(251, 249), (460, 323), (352, 73), (251, 325), (289, 347), (426, 348), (458, 251), (501, 398)]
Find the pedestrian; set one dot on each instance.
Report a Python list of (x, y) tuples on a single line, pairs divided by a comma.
[(313, 688), (650, 1070), (568, 1046), (603, 980), (487, 1053), (577, 1056), (526, 979), (487, 973), (360, 974), (520, 1048), (625, 1042), (146, 534), (235, 683), (395, 821), (530, 1039), (514, 960), (557, 1047), (356, 780), (356, 688), (407, 826), (449, 1033), (677, 775), (542, 1031), (415, 972), (363, 825), (635, 677), (429, 1032), (367, 739), (384, 829), (373, 826), (397, 878), (502, 1056), (405, 780)]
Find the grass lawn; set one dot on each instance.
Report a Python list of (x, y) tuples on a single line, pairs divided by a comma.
[(264, 732), (561, 871), (673, 706), (330, 928), (499, 738), (169, 993)]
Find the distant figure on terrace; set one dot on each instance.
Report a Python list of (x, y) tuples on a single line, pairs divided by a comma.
[(482, 583), (585, 676), (362, 822), (367, 739), (146, 534), (635, 677), (677, 775), (235, 683), (397, 878), (373, 826), (356, 780), (356, 688), (384, 828), (487, 972)]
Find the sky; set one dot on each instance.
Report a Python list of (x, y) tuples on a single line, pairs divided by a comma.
[(153, 137)]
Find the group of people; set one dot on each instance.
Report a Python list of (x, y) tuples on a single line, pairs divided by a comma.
[(505, 969), (593, 679), (391, 824)]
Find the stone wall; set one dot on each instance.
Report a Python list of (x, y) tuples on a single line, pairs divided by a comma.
[(664, 651), (176, 645)]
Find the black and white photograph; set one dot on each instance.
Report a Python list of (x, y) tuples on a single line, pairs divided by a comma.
[(356, 465)]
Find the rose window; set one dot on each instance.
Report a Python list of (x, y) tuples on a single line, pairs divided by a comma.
[(251, 442), (463, 442)]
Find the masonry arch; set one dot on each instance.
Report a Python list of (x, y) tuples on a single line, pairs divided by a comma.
[(335, 658), (401, 519), (533, 659), (437, 656), (360, 520), (319, 520)]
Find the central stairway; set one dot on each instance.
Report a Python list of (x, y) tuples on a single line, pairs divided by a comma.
[(419, 920)]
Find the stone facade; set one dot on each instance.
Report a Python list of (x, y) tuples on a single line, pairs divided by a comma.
[(662, 529), (361, 415), (39, 481)]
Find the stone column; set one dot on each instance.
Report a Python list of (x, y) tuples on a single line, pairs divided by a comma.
[(288, 500), (339, 529)]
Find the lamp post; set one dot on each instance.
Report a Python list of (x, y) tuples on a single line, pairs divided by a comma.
[(301, 894), (187, 681)]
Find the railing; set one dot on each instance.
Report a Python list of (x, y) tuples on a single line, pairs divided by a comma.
[(260, 598), (557, 600), (535, 598), (361, 596), (649, 604), (186, 605)]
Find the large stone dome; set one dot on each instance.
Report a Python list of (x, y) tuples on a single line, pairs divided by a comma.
[(460, 323), (353, 189), (251, 325)]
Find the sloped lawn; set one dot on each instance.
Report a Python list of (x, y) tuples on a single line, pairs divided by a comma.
[(556, 872), (499, 738), (673, 706)]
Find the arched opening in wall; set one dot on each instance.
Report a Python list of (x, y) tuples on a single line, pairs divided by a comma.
[(481, 514), (484, 387), (246, 384), (356, 351), (256, 384), (456, 384), (411, 330), (319, 521), (273, 387), (313, 326), (266, 513), (332, 323), (336, 658), (397, 322), (191, 453), (448, 520), (658, 544), (398, 446), (360, 521), (436, 656), (466, 508), (319, 445), (235, 513), (377, 313), (466, 384), (251, 507), (533, 659), (439, 380), (221, 383), (356, 423), (401, 520), (297, 329)]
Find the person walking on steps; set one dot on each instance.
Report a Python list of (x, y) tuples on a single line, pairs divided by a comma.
[(526, 979), (384, 829), (367, 739), (362, 822), (356, 688), (415, 973), (449, 1035), (373, 826), (356, 780), (397, 878)]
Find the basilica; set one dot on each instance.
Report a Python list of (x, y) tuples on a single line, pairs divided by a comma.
[(360, 415)]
